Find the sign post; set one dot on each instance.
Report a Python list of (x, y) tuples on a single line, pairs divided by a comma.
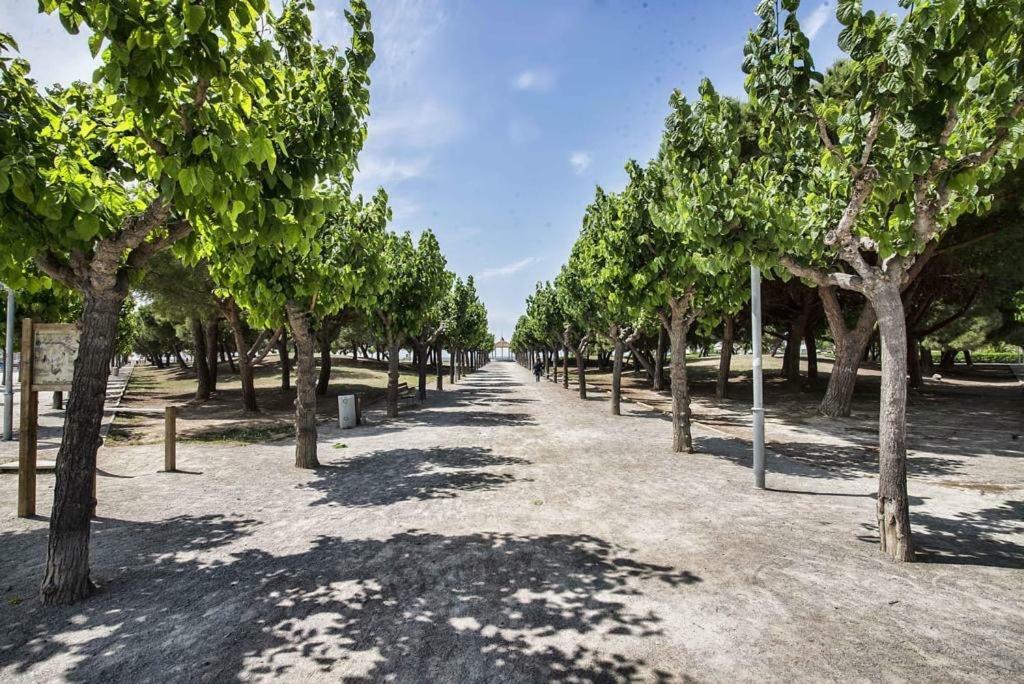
[(48, 352)]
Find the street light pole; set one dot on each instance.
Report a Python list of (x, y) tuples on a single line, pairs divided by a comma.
[(9, 368), (758, 410)]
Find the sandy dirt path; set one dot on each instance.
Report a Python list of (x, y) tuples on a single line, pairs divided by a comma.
[(508, 531)]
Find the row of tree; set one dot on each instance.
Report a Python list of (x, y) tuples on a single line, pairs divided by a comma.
[(219, 130), (872, 193)]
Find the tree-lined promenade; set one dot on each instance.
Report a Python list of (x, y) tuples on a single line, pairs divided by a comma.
[(870, 191), (218, 142), (191, 219)]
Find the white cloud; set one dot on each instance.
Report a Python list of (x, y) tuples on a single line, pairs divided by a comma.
[(821, 15), (535, 80), (508, 269), (403, 33), (580, 161), (420, 125), (375, 170)]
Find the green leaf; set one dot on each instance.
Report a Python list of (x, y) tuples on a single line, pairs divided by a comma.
[(195, 15)]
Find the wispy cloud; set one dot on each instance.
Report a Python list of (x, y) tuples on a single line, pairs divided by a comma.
[(821, 15), (508, 269), (580, 161), (424, 124), (374, 170), (534, 79), (404, 33)]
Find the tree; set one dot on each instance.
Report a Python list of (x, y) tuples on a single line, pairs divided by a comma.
[(178, 136), (430, 333), (614, 252), (185, 293), (414, 280), (696, 244), (579, 307), (928, 122)]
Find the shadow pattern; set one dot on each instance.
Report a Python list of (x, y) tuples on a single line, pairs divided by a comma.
[(415, 606)]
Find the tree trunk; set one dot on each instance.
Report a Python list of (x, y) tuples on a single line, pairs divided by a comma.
[(554, 366), (892, 503), (421, 351), (812, 355), (244, 366), (581, 367), (182, 364), (211, 334), (851, 346), (725, 358), (791, 361), (682, 440), (201, 364), (324, 336), (286, 361), (967, 357), (617, 375), (66, 578), (451, 366), (393, 373), (305, 386), (565, 367), (659, 361), (440, 367), (948, 359), (914, 361), (58, 400)]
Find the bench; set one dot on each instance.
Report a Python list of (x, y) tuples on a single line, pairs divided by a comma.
[(406, 393)]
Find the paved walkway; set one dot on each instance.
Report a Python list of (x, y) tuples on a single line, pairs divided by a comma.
[(510, 532)]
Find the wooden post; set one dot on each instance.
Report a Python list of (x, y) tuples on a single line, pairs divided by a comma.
[(170, 456), (28, 432)]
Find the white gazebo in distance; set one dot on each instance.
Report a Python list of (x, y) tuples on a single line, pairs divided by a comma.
[(502, 351)]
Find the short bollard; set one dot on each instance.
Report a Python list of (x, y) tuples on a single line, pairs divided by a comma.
[(346, 411), (170, 455)]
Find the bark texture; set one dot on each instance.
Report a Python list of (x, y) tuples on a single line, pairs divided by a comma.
[(200, 359), (211, 334), (286, 361), (393, 374), (617, 376), (725, 358), (851, 344), (66, 579), (244, 363), (893, 506), (678, 326), (305, 387)]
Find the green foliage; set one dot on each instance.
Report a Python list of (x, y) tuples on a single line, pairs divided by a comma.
[(898, 141), (465, 318), (414, 281)]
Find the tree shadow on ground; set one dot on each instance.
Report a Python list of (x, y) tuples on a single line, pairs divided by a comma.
[(381, 478), (821, 460), (972, 537), (197, 599)]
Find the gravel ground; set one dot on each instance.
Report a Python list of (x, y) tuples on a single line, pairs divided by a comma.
[(510, 532)]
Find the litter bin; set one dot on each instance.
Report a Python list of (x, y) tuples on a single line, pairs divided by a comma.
[(347, 411)]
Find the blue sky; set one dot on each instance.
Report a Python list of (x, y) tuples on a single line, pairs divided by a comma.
[(492, 122)]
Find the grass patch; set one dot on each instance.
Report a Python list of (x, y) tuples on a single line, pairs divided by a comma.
[(248, 434)]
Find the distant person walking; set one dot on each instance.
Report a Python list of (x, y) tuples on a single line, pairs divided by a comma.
[(538, 368)]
